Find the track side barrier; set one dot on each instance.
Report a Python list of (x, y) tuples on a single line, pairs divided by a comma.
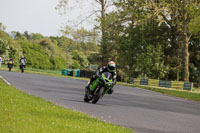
[(162, 83)]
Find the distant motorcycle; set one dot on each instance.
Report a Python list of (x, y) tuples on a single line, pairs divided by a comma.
[(99, 87), (10, 65), (22, 67), (22, 63)]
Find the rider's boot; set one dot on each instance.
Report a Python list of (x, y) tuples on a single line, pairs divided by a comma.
[(87, 89)]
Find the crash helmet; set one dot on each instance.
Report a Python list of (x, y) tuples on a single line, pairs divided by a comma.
[(22, 56), (111, 66)]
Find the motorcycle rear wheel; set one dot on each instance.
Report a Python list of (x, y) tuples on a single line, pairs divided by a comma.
[(22, 69), (86, 99)]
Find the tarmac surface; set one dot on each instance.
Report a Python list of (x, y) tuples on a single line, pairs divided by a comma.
[(142, 110)]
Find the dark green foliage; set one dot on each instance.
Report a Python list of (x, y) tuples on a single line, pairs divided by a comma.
[(80, 59), (75, 64), (3, 45), (35, 56), (57, 63), (53, 53), (7, 47)]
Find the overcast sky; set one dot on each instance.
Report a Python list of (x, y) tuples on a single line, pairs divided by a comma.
[(38, 16)]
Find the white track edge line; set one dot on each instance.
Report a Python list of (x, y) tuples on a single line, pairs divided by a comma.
[(5, 80)]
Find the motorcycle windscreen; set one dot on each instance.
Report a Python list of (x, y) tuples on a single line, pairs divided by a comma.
[(107, 75)]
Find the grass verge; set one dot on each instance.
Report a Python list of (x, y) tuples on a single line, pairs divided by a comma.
[(194, 96), (23, 113)]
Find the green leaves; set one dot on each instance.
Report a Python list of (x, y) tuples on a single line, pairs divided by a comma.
[(2, 27), (3, 45), (194, 26), (151, 62)]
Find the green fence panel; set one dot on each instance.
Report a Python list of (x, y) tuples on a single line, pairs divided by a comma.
[(188, 86), (166, 84), (64, 72), (131, 80), (162, 83), (77, 72), (67, 72), (143, 81)]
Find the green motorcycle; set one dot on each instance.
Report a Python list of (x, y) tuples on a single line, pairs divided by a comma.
[(99, 87)]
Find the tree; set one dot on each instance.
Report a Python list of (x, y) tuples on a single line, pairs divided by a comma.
[(130, 33), (2, 27), (82, 40), (36, 36), (28, 37), (179, 14), (195, 58), (82, 43), (3, 45), (103, 6)]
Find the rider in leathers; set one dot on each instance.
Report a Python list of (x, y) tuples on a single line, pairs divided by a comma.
[(109, 68)]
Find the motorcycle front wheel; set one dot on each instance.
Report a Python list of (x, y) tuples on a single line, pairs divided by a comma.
[(97, 95)]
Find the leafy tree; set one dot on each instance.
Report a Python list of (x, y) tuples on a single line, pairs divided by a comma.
[(3, 44), (2, 27), (104, 4), (179, 14), (75, 64), (36, 36), (19, 36), (28, 37), (81, 58), (35, 56), (9, 47), (195, 59), (151, 62), (85, 43)]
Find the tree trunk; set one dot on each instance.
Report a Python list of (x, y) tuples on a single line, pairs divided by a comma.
[(186, 58), (198, 78), (177, 76), (103, 39), (186, 38)]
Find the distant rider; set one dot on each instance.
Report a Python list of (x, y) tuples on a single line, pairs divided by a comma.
[(1, 60), (109, 68), (10, 63), (22, 62)]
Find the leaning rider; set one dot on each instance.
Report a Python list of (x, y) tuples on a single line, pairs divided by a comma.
[(109, 68)]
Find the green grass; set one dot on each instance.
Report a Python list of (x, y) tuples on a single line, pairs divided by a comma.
[(23, 113), (195, 96)]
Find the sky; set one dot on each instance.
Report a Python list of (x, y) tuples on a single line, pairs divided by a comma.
[(40, 16)]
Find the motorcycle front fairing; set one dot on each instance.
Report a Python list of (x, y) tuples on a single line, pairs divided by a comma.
[(105, 80)]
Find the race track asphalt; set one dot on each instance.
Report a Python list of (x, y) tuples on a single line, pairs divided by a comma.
[(142, 110)]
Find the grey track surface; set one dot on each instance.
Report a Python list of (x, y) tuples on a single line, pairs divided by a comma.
[(142, 110)]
